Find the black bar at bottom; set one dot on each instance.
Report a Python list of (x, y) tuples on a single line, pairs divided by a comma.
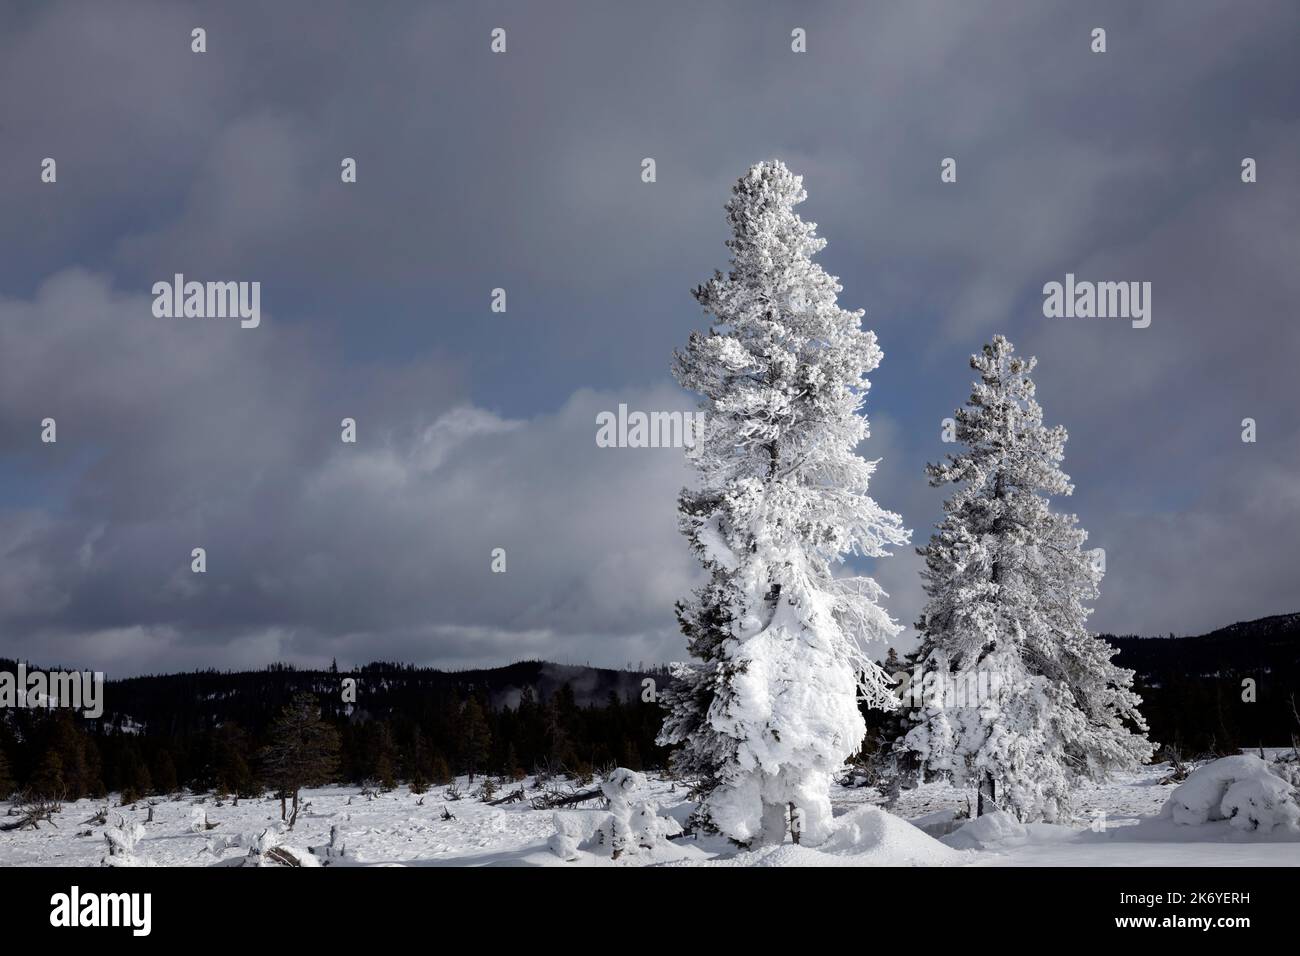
[(372, 904)]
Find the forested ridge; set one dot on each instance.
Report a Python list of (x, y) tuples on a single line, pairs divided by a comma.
[(208, 729)]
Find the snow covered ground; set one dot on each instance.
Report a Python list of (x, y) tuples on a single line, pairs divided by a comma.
[(1119, 827)]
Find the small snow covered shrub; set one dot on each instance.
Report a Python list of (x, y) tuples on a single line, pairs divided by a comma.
[(268, 850), (1245, 790), (626, 829), (1287, 766), (219, 844), (334, 850), (121, 841), (575, 830), (633, 828)]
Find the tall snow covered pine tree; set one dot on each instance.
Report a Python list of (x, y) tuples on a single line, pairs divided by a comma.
[(770, 712), (1019, 699)]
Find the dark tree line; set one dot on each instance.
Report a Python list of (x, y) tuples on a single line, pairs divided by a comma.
[(211, 731), (1234, 688), (243, 734)]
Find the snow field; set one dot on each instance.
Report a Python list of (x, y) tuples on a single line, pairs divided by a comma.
[(1121, 826)]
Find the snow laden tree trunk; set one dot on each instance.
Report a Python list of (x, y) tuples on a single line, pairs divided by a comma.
[(1017, 699), (770, 712)]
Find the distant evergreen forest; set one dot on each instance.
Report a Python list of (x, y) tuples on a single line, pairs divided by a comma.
[(209, 730), (1193, 687)]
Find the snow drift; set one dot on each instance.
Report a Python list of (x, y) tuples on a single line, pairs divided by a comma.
[(867, 836), (1244, 790), (991, 831)]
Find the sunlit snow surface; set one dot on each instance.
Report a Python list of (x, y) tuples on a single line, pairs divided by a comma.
[(1119, 826)]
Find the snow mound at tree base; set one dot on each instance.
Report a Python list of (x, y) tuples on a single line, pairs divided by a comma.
[(867, 836), (1244, 790), (989, 832)]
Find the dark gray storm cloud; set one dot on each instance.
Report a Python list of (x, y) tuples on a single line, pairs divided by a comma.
[(522, 171)]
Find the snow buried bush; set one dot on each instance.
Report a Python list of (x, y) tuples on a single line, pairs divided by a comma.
[(867, 836), (1244, 790), (576, 831), (883, 838), (625, 829), (989, 832), (121, 841), (267, 849)]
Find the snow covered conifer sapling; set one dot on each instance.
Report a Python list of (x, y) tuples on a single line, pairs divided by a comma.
[(1025, 700), (770, 712)]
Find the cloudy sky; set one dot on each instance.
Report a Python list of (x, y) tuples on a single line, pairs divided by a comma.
[(522, 171)]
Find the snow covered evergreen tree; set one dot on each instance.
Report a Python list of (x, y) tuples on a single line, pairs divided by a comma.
[(771, 710), (1020, 700)]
